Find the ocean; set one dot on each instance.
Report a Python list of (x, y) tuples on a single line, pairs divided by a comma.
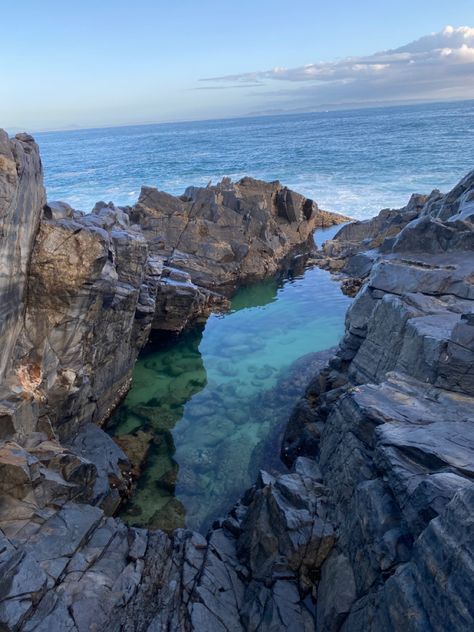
[(353, 162)]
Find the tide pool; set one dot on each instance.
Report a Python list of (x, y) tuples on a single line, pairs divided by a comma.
[(212, 404)]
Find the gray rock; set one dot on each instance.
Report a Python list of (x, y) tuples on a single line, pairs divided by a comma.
[(372, 529)]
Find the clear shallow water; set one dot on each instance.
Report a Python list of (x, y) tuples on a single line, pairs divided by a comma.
[(213, 404), (355, 162)]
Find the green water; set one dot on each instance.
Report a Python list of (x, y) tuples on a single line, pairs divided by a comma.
[(211, 406)]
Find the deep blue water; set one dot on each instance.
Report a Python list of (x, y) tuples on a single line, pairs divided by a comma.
[(355, 162)]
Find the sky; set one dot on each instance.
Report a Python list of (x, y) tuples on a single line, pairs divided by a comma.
[(100, 63)]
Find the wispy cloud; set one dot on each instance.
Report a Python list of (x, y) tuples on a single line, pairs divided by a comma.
[(436, 66)]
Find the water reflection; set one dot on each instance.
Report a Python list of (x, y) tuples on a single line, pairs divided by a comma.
[(209, 408)]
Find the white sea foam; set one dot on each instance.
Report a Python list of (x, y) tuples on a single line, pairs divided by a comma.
[(351, 162)]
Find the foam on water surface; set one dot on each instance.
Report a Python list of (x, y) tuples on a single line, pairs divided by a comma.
[(354, 162)]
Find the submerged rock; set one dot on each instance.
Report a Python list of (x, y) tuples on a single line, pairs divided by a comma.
[(136, 447)]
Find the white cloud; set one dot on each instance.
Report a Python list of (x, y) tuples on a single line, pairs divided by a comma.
[(436, 66)]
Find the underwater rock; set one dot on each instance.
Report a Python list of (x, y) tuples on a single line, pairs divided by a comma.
[(264, 373), (167, 481), (227, 369), (136, 447), (169, 517)]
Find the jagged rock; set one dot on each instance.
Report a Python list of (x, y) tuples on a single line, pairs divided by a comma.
[(229, 233), (19, 471), (113, 477), (83, 329), (337, 593), (180, 302), (286, 527), (373, 527), (395, 443)]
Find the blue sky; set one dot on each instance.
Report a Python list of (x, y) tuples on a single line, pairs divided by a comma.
[(97, 63)]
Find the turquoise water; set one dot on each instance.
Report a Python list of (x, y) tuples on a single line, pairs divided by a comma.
[(355, 162), (211, 406)]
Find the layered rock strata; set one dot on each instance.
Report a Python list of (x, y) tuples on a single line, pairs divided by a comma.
[(80, 292), (371, 529), (390, 423)]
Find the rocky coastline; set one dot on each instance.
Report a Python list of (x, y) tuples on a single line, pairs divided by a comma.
[(373, 526)]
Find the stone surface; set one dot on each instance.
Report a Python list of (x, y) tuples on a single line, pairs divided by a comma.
[(21, 199), (392, 422), (230, 233), (373, 526)]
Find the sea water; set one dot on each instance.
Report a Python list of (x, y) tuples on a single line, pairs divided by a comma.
[(213, 404), (354, 162)]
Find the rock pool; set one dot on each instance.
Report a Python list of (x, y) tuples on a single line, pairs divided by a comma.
[(209, 407)]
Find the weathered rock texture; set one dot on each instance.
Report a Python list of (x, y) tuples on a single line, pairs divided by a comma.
[(373, 527), (67, 566), (390, 424), (226, 234), (21, 199)]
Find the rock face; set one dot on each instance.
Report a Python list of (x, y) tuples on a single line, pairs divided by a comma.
[(390, 424), (89, 311), (373, 526), (230, 233), (22, 197)]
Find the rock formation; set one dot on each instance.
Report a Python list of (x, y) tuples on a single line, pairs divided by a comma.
[(230, 233), (22, 197), (373, 526), (98, 283), (390, 423)]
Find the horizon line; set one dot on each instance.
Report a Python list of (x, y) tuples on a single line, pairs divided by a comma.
[(321, 109)]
